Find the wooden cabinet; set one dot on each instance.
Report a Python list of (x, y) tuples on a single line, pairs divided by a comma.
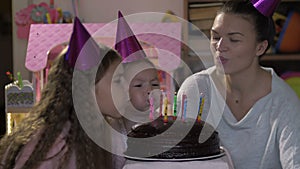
[(202, 12), (282, 62)]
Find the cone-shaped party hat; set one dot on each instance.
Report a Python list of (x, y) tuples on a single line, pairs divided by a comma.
[(266, 7), (83, 52), (126, 43)]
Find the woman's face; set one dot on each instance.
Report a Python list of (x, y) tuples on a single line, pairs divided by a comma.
[(233, 43), (104, 95), (141, 86)]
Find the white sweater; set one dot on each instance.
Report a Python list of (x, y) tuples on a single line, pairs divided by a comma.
[(268, 137)]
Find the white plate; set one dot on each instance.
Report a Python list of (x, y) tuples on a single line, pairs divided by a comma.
[(222, 153)]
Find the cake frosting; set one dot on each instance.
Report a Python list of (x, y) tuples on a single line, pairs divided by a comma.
[(168, 145)]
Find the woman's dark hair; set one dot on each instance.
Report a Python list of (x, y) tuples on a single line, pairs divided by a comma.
[(264, 26), (50, 115)]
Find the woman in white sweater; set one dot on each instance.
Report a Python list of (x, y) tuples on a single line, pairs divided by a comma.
[(255, 112)]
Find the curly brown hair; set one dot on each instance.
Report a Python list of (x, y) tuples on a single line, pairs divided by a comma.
[(50, 115)]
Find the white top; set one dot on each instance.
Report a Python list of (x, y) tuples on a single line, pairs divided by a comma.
[(267, 137)]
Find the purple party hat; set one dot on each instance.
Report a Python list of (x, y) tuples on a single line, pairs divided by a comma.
[(266, 7), (126, 43), (83, 52)]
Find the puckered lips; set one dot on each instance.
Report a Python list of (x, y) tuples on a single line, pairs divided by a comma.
[(222, 60)]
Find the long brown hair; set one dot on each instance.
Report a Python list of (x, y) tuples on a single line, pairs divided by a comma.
[(50, 115)]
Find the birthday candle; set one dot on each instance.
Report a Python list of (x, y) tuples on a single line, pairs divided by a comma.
[(183, 106), (168, 86), (151, 114), (164, 104), (161, 103), (175, 104), (165, 109), (200, 110)]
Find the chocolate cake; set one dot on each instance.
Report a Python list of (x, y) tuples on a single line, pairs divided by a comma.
[(172, 140)]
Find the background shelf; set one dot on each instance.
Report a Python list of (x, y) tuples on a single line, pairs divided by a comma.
[(194, 11)]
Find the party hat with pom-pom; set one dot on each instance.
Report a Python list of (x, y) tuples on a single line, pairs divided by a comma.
[(266, 7), (83, 52), (126, 43)]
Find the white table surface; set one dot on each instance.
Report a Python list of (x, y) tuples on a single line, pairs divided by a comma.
[(223, 162)]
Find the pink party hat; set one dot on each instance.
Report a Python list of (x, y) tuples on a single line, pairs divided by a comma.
[(266, 7), (83, 52), (126, 43)]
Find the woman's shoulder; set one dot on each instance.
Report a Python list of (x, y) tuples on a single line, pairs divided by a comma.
[(281, 89), (197, 82), (203, 74), (206, 72), (284, 101)]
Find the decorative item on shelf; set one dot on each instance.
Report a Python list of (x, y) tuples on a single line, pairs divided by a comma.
[(279, 20), (170, 16), (39, 14), (289, 38), (16, 81), (293, 79), (19, 98)]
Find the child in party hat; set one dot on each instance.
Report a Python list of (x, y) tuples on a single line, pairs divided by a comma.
[(138, 84), (137, 71), (254, 111), (64, 127)]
